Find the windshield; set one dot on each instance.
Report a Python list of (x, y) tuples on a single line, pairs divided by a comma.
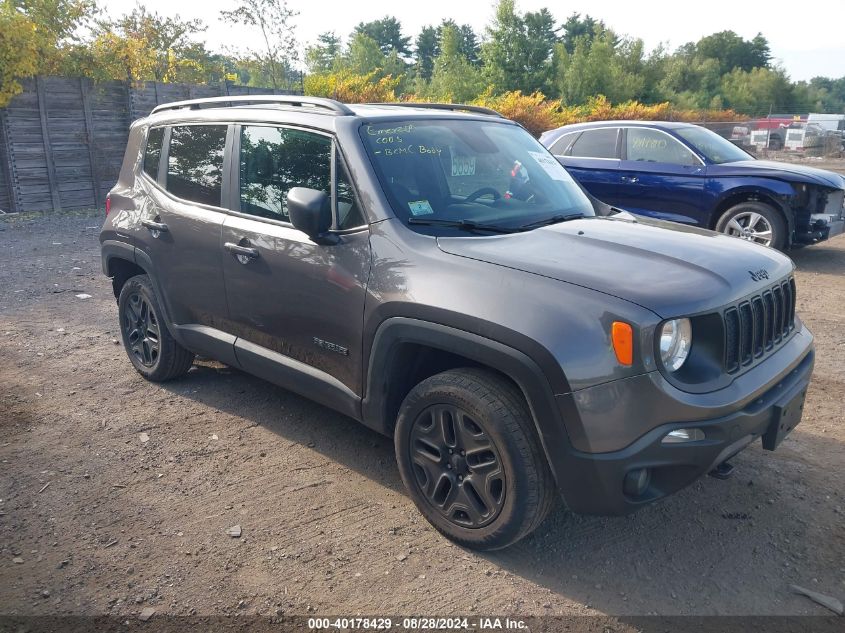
[(715, 148), (440, 171)]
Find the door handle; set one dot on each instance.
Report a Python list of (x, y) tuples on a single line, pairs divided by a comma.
[(631, 179), (243, 253), (154, 227)]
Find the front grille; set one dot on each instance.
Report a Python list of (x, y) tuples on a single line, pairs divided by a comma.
[(758, 325)]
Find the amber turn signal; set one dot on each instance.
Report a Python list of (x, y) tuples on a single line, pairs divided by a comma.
[(622, 337)]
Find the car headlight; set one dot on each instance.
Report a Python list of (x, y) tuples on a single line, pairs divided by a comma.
[(675, 342)]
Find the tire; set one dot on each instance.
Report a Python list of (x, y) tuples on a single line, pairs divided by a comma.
[(502, 488), (762, 216), (147, 341)]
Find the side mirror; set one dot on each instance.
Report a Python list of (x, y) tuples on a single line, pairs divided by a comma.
[(310, 212)]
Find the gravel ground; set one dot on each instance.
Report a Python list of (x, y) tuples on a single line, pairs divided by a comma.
[(116, 494)]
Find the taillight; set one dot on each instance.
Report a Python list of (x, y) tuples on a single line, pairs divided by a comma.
[(108, 204)]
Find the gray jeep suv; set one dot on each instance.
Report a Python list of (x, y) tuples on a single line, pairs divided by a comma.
[(433, 272)]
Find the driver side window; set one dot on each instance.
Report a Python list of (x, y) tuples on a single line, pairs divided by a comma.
[(654, 146), (275, 159)]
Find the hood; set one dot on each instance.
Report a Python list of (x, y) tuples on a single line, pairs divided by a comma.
[(781, 171), (670, 269)]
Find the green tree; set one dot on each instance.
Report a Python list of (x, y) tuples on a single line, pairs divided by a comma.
[(19, 47), (394, 65), (758, 91), (518, 53), (732, 51), (467, 40), (273, 19), (575, 27), (324, 53), (821, 94), (425, 50), (688, 79), (57, 21), (470, 46), (428, 46), (540, 39), (454, 77), (363, 55), (146, 45), (503, 53), (387, 33), (34, 37)]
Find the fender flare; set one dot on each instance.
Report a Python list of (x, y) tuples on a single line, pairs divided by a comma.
[(518, 366), (113, 249)]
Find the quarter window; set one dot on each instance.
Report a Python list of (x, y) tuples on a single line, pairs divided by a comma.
[(560, 145), (152, 155), (348, 212), (195, 162), (273, 160), (596, 144), (654, 146)]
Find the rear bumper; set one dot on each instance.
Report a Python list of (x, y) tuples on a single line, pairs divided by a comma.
[(593, 483)]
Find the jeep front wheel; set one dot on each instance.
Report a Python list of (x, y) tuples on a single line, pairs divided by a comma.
[(470, 458)]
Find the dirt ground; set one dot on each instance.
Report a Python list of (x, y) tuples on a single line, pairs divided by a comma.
[(96, 520)]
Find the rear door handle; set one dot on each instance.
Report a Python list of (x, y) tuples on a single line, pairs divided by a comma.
[(161, 227), (243, 253)]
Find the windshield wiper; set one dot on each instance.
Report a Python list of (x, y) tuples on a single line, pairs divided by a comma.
[(467, 225), (555, 219)]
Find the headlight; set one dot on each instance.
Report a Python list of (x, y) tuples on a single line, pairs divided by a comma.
[(675, 342)]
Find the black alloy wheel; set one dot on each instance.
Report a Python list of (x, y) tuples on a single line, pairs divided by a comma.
[(471, 459), (141, 329), (457, 467), (150, 346)]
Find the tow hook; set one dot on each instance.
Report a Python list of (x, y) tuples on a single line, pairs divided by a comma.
[(723, 471)]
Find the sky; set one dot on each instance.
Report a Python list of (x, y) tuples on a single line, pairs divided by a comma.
[(807, 43)]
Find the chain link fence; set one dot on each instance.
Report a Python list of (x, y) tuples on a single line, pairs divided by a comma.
[(785, 136)]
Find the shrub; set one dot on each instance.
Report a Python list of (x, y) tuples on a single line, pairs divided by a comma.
[(534, 112), (537, 114), (349, 87)]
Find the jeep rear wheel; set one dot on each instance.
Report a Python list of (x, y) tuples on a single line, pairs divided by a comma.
[(147, 341), (470, 458)]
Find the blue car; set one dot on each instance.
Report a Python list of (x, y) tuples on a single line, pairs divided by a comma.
[(688, 174)]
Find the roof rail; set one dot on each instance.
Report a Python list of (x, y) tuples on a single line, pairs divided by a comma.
[(455, 107), (293, 100)]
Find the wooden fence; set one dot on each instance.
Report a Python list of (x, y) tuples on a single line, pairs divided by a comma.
[(62, 139)]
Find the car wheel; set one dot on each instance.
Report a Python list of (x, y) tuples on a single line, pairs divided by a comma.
[(755, 222), (471, 460), (146, 339)]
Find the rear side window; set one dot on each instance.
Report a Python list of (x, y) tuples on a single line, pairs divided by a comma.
[(273, 160), (195, 162), (152, 155), (596, 144)]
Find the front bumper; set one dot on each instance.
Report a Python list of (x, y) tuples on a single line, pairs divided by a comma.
[(835, 227), (822, 227), (593, 483)]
